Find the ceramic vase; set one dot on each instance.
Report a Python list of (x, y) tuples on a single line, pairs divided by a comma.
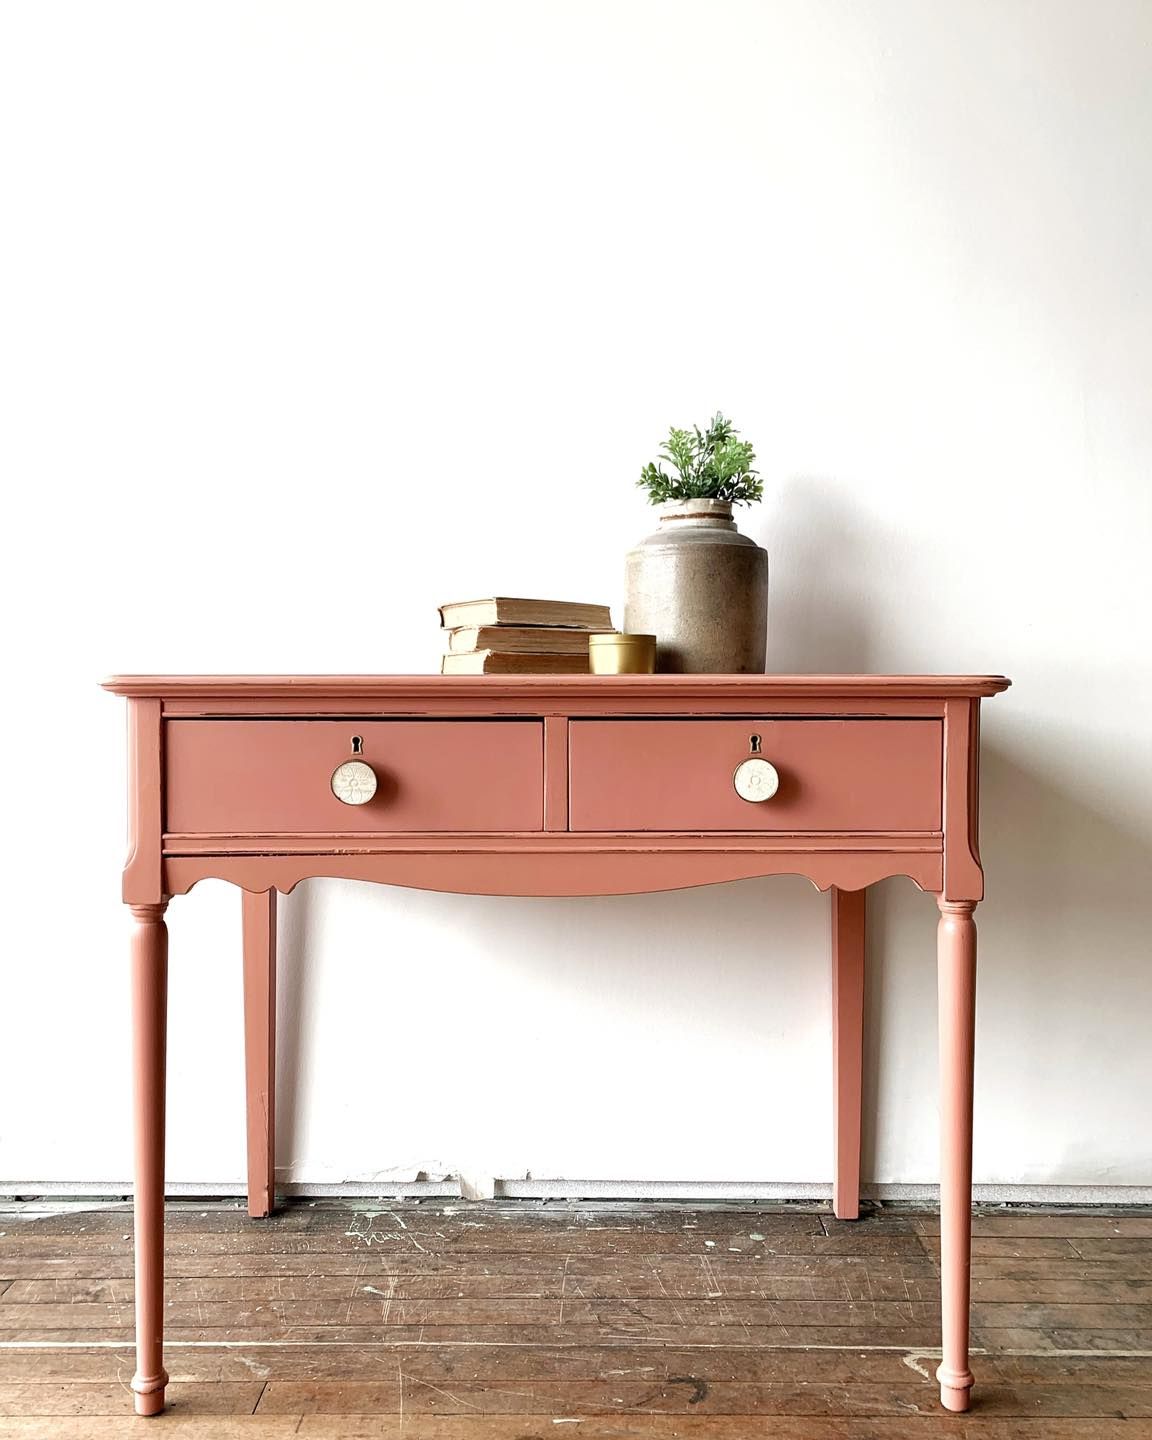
[(701, 588)]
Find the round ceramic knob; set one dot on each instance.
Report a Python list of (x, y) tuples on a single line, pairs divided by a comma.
[(755, 779), (354, 782)]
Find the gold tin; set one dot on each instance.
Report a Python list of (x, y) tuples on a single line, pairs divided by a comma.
[(622, 654)]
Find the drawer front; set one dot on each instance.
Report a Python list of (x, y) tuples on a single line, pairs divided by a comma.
[(850, 775), (274, 776)]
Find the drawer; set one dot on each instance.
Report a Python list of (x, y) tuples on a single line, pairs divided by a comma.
[(839, 775), (274, 776)]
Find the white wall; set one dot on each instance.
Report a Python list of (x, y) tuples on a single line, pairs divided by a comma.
[(319, 314)]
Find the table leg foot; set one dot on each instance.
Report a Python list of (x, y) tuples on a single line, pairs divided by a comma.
[(955, 1388), (149, 1393)]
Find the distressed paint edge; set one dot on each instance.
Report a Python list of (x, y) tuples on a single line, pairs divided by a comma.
[(552, 875)]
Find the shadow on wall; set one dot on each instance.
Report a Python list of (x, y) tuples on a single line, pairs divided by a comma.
[(1063, 953), (1064, 939)]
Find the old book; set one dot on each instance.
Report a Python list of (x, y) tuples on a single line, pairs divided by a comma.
[(505, 610), (491, 662), (519, 639)]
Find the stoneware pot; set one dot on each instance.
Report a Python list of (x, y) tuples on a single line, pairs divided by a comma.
[(702, 588)]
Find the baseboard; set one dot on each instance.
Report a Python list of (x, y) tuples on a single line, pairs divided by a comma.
[(116, 1189), (783, 1190), (715, 1191)]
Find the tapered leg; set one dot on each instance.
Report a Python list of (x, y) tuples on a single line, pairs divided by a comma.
[(149, 1024), (848, 909), (260, 1047), (956, 950)]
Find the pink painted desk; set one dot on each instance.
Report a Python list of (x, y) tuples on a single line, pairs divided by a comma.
[(571, 785)]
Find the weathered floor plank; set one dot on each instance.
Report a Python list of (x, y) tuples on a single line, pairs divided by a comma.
[(449, 1364), (554, 1243), (1053, 1223), (618, 1427), (474, 1363), (918, 1337), (86, 1398), (688, 1394), (1133, 1267), (370, 1311), (829, 1280)]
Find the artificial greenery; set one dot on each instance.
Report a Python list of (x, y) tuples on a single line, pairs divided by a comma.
[(710, 465)]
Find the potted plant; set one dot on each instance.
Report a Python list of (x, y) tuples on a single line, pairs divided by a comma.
[(697, 584)]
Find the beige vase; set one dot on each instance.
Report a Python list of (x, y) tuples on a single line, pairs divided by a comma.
[(701, 588)]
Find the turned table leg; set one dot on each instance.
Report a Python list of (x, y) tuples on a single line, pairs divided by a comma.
[(149, 1023), (260, 1047), (848, 908), (956, 952)]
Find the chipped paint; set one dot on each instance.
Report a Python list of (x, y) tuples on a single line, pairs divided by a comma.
[(912, 1360)]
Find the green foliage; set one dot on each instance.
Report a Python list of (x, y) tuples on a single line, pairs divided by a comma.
[(709, 465)]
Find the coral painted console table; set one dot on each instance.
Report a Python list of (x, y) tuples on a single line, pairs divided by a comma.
[(541, 785)]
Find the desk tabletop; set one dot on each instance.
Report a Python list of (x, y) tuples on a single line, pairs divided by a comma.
[(745, 688)]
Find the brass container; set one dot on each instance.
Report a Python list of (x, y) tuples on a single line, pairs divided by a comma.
[(622, 654)]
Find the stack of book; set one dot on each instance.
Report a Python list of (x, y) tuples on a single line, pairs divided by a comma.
[(507, 636)]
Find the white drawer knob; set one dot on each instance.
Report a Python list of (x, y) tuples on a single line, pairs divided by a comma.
[(755, 779), (354, 782)]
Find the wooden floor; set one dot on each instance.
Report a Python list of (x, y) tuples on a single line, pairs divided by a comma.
[(437, 1322)]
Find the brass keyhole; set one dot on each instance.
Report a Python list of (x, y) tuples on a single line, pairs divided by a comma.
[(357, 744), (754, 744)]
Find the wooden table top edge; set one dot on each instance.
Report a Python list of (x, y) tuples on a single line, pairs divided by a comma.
[(605, 687)]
